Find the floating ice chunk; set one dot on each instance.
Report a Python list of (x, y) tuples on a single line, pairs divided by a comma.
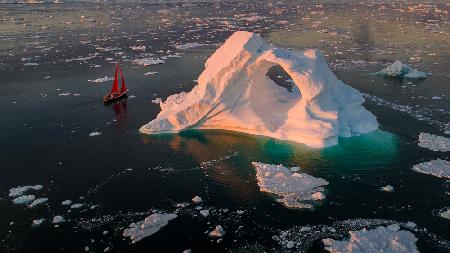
[(445, 213), (399, 69), (217, 232), (101, 79), (22, 200), (30, 64), (76, 206), (38, 202), (380, 239), (295, 189), (436, 98), (204, 213), (434, 142), (157, 101), (197, 200), (37, 223), (66, 202), (150, 73), (387, 188), (138, 48), (438, 168), (17, 191), (149, 226), (64, 94), (58, 219), (233, 93), (148, 61), (188, 45), (94, 134)]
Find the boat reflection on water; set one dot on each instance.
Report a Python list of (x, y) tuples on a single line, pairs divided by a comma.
[(120, 108)]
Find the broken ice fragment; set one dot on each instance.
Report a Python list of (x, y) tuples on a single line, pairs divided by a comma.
[(147, 227), (399, 69), (197, 200), (434, 142), (437, 168), (22, 200), (217, 232)]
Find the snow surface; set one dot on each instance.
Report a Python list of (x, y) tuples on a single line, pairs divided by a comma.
[(434, 142), (438, 168), (399, 69), (294, 189), (234, 93), (149, 226), (380, 239)]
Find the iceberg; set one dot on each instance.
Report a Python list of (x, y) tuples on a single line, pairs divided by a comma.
[(294, 189), (233, 93), (380, 239), (434, 142), (399, 69), (437, 168), (149, 226)]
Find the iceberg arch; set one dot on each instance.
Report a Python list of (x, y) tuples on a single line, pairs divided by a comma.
[(234, 93)]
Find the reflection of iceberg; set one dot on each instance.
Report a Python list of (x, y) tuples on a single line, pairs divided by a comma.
[(235, 94)]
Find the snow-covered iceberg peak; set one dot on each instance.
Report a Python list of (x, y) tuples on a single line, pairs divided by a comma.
[(234, 93)]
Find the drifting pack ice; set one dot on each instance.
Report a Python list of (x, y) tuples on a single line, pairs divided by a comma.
[(234, 93)]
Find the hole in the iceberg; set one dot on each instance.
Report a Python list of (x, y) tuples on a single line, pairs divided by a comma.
[(281, 78)]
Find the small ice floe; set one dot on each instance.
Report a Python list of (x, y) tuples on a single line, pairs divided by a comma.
[(157, 101), (150, 73), (149, 226), (197, 200), (434, 142), (47, 77), (58, 219), (436, 97), (20, 190), (101, 79), (76, 206), (380, 239), (30, 64), (188, 45), (148, 61), (38, 202), (217, 232), (64, 94), (94, 134), (204, 213), (438, 168), (37, 223), (399, 69), (294, 189), (23, 200), (66, 202), (387, 188), (445, 213), (138, 48)]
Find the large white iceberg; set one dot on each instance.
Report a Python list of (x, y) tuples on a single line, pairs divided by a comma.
[(234, 93)]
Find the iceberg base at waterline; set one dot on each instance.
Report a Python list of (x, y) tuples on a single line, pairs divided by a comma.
[(234, 93)]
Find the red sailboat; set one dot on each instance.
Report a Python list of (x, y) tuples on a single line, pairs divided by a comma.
[(115, 94)]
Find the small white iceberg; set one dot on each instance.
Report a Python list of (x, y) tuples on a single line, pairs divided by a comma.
[(20, 190), (188, 45), (434, 142), (437, 168), (66, 202), (138, 48), (381, 239), (399, 69), (157, 101), (94, 134), (387, 188), (149, 226), (148, 61), (150, 73), (294, 189), (217, 232), (76, 206), (101, 79), (22, 200), (445, 214), (38, 202), (37, 223), (197, 200), (58, 219)]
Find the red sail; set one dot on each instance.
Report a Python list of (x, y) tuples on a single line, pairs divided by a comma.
[(123, 88), (115, 87)]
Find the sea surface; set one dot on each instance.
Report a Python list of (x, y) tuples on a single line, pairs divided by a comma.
[(49, 109)]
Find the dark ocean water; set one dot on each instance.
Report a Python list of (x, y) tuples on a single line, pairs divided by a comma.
[(125, 176)]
